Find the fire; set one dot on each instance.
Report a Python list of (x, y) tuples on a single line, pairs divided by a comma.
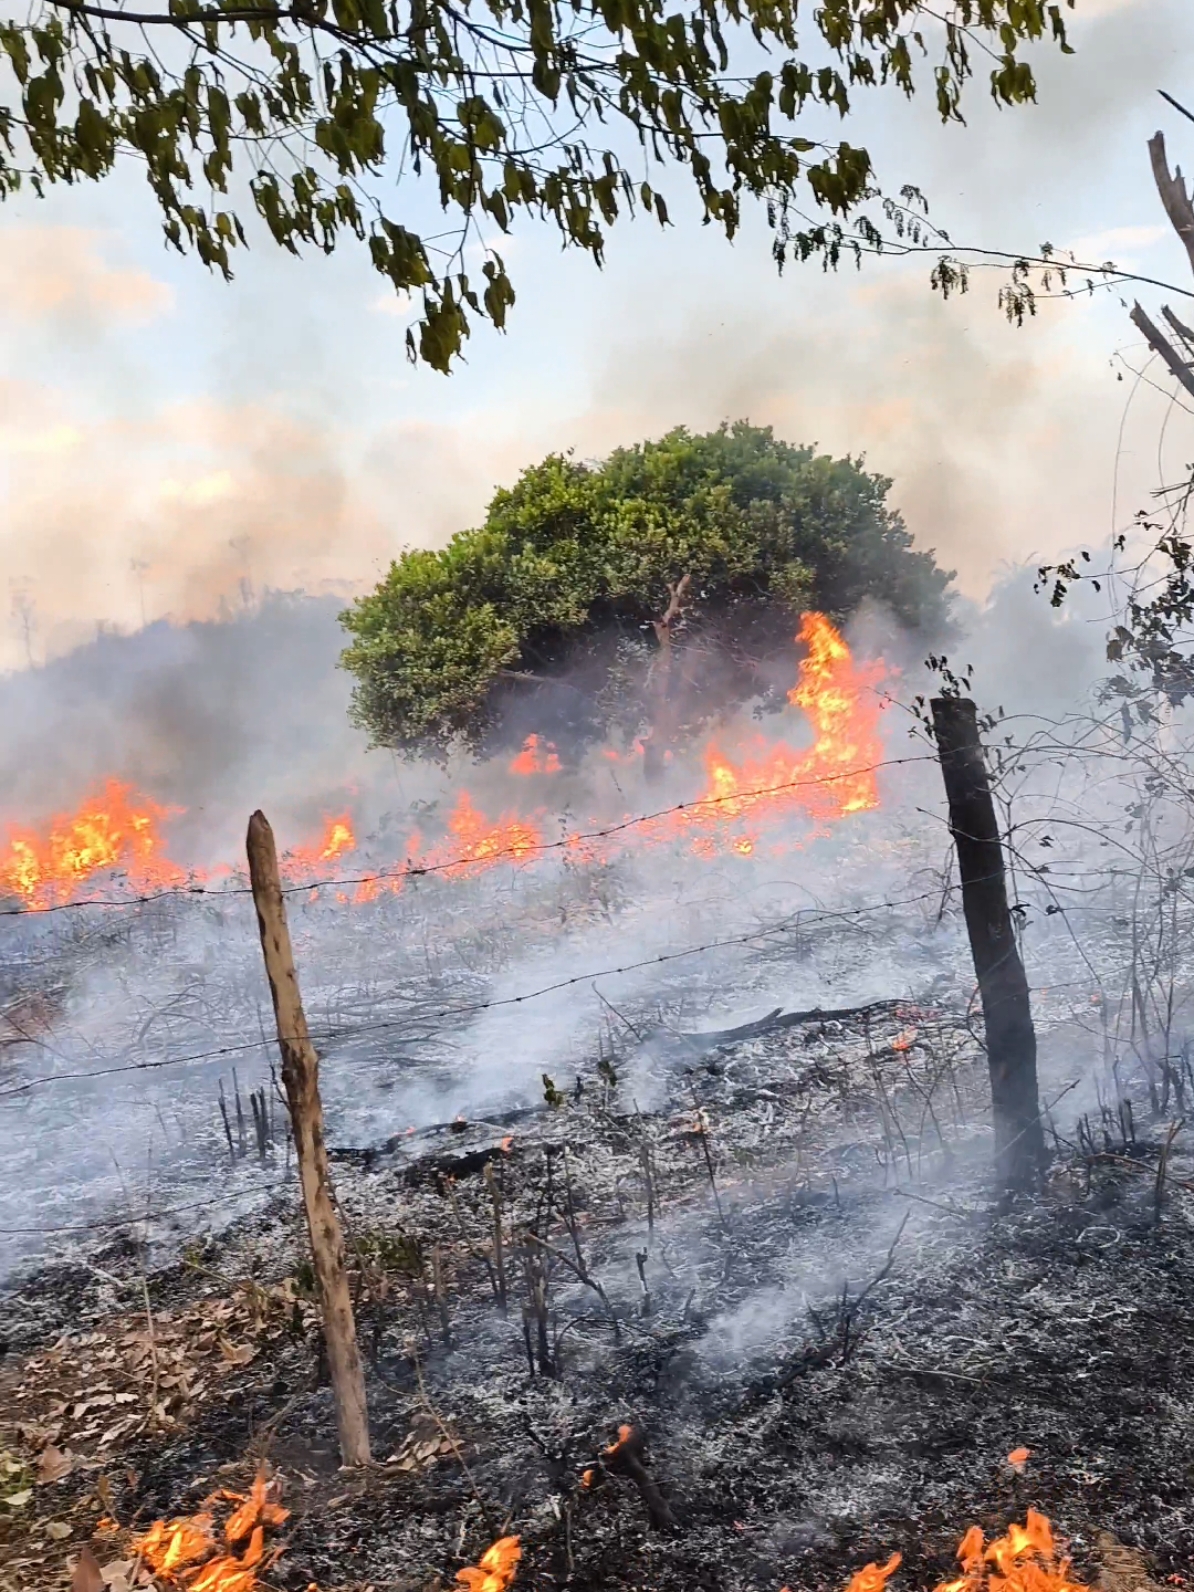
[(171, 1545), (874, 1577), (1025, 1559), (336, 839), (185, 1553), (495, 1569), (537, 757), (905, 1040), (831, 779), (475, 843), (113, 829)]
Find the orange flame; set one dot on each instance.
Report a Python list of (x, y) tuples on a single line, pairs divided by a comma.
[(827, 781), (183, 1552), (475, 844), (832, 778), (112, 829), (537, 757), (1023, 1560), (905, 1040), (495, 1569), (336, 839), (874, 1577)]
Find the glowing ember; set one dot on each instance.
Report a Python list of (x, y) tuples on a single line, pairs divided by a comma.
[(1018, 1458), (905, 1041), (537, 757), (112, 829), (495, 1569)]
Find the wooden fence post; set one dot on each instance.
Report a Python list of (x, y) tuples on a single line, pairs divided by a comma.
[(1007, 1012), (300, 1077)]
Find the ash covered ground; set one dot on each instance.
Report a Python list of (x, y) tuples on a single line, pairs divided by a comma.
[(787, 1273), (730, 1118)]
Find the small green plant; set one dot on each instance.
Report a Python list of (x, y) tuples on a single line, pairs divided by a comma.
[(16, 1482)]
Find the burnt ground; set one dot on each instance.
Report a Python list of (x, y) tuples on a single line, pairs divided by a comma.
[(833, 1338)]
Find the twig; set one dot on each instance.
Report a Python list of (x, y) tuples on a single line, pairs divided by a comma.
[(703, 1134), (1162, 1164), (499, 1257), (583, 1273), (449, 1439)]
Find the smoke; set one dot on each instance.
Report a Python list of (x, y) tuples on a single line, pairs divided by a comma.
[(216, 718), (171, 439)]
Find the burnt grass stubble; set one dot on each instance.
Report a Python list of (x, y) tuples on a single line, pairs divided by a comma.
[(815, 1385)]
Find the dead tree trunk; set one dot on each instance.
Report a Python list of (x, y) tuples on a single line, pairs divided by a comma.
[(300, 1076), (1171, 187), (1003, 987)]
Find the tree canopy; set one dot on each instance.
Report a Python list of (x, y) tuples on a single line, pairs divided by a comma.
[(569, 111), (654, 589)]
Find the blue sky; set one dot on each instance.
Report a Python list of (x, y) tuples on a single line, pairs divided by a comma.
[(165, 436)]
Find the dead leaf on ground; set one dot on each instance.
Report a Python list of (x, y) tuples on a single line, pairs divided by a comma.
[(87, 1576), (53, 1465), (119, 1575)]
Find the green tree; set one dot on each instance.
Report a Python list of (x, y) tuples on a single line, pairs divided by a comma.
[(571, 111), (656, 588)]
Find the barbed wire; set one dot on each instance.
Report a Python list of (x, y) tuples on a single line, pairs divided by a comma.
[(798, 920), (520, 851)]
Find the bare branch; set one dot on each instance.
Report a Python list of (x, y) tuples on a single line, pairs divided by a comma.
[(1174, 197), (1161, 345)]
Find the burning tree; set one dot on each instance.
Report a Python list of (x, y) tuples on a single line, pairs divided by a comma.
[(651, 591)]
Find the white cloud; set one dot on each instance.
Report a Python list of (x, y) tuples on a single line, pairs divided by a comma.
[(49, 272), (1116, 244), (399, 305)]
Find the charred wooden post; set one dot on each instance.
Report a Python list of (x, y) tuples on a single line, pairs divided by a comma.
[(1003, 987), (300, 1078)]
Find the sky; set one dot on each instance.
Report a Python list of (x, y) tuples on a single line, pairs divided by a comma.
[(171, 444)]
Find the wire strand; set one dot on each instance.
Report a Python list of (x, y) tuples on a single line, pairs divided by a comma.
[(798, 920)]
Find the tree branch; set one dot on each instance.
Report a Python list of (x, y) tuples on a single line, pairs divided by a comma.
[(1161, 345), (1174, 197), (165, 19)]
